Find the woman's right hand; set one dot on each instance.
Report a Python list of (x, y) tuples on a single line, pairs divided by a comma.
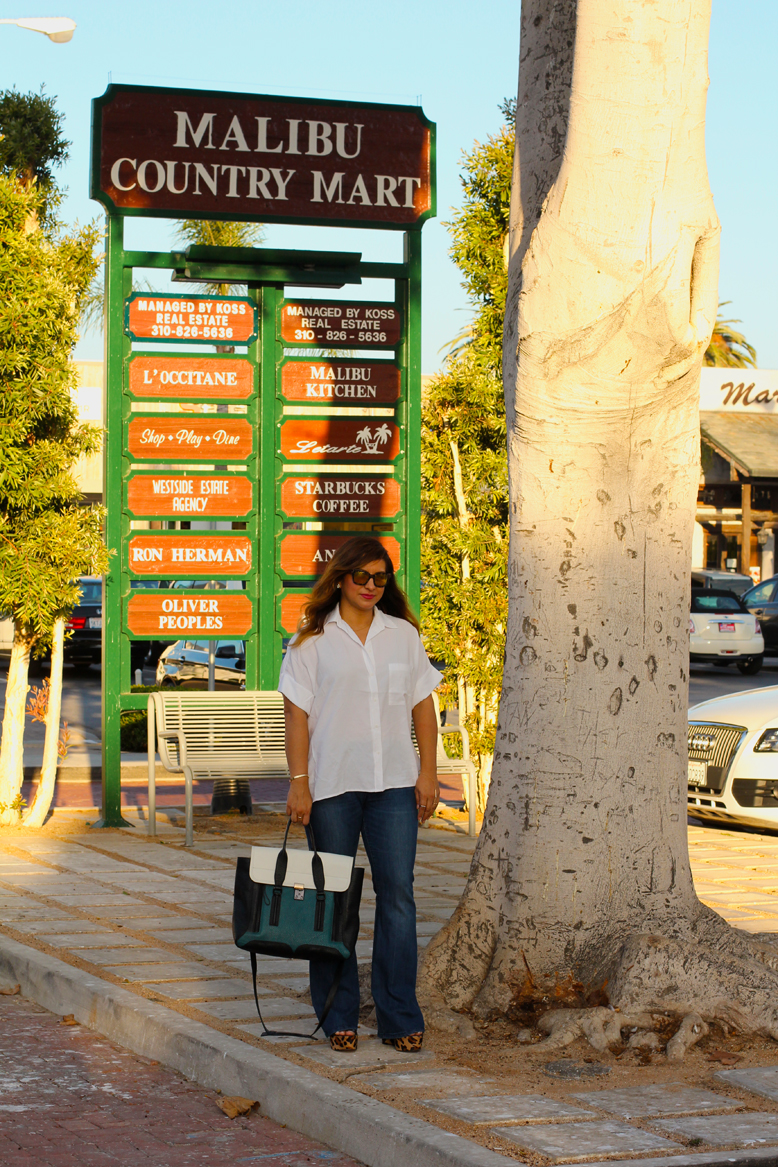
[(299, 801)]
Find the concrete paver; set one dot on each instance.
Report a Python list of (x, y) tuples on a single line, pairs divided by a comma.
[(571, 1142), (762, 1081), (743, 1130), (645, 1101), (507, 1108), (70, 1098)]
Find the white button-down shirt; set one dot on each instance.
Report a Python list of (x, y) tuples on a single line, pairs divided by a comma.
[(359, 698)]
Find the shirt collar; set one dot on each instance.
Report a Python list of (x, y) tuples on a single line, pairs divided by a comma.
[(379, 623)]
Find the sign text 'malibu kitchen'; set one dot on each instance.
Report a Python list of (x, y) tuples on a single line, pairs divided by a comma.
[(183, 153)]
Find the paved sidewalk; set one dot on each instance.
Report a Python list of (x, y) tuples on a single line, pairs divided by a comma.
[(124, 918), (69, 1098)]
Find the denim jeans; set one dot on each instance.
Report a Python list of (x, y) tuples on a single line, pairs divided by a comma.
[(388, 823)]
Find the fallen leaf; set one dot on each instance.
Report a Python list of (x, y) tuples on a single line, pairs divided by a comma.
[(68, 1019), (723, 1056), (11, 991), (232, 1107)]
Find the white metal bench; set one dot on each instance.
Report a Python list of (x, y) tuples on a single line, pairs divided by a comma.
[(210, 735), (241, 734)]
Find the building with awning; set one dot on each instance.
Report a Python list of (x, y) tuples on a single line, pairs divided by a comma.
[(737, 504)]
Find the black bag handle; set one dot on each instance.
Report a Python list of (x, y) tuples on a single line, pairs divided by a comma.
[(282, 862)]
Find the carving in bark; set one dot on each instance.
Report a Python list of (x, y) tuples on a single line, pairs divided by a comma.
[(581, 885)]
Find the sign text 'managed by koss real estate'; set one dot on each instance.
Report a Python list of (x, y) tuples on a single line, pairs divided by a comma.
[(175, 496), (190, 378), (228, 613), (336, 323), (169, 555), (183, 153), (198, 319)]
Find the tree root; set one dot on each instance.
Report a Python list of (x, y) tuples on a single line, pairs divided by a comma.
[(601, 1027)]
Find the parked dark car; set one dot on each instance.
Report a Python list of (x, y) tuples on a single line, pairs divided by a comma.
[(184, 665), (762, 602), (84, 639)]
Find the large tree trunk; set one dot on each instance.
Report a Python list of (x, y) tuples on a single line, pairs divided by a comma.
[(12, 744), (581, 885), (36, 816)]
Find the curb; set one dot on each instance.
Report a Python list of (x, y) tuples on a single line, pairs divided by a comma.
[(359, 1126)]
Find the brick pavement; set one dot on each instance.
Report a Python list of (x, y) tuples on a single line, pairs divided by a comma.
[(70, 1099)]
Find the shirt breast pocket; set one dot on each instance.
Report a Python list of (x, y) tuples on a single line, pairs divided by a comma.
[(399, 682)]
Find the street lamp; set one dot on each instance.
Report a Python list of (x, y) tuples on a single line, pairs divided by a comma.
[(59, 29)]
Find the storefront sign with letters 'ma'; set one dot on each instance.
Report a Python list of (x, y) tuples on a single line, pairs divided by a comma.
[(184, 152)]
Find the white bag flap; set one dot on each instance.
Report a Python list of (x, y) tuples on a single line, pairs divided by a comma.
[(299, 870)]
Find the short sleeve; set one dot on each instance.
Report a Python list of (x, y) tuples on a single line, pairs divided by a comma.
[(296, 680), (425, 678)]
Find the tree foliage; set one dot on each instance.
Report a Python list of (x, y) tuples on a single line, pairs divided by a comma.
[(31, 143), (728, 348), (464, 469)]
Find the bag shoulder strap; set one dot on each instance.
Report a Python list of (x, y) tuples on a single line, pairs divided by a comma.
[(285, 1032)]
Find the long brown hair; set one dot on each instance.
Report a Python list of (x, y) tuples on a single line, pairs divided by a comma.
[(353, 554)]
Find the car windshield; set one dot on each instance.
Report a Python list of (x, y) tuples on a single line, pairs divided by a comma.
[(91, 592), (716, 602)]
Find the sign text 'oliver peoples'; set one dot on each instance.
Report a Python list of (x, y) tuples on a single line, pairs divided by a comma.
[(178, 152), (213, 613), (201, 320), (159, 496), (191, 378), (207, 439), (353, 325)]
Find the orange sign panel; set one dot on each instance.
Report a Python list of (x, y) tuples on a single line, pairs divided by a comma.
[(344, 384), (174, 495), (203, 319), (324, 439), (336, 324), (292, 604), (175, 613), (340, 496), (207, 555), (208, 439), (309, 554), (190, 378)]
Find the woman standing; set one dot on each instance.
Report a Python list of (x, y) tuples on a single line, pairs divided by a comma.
[(352, 679)]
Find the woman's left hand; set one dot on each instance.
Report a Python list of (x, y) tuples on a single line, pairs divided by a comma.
[(427, 795)]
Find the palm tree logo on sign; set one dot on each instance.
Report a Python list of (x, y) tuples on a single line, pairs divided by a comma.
[(371, 441)]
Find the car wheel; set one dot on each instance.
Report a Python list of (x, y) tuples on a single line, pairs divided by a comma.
[(751, 665)]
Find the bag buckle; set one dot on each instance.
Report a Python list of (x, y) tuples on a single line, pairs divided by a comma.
[(299, 891)]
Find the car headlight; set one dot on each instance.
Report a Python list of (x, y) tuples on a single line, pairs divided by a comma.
[(768, 742)]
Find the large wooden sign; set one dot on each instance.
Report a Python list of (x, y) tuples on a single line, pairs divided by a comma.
[(340, 324), (166, 556), (308, 555), (324, 439), (185, 153), (191, 378), (207, 439), (340, 496), (162, 496), (340, 382), (196, 319), (179, 612)]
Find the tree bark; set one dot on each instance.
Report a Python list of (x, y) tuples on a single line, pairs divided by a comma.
[(12, 744), (36, 816), (581, 885)]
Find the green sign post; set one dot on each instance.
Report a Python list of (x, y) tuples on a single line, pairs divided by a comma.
[(248, 467)]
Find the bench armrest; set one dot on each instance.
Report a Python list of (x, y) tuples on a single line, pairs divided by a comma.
[(179, 736), (460, 729)]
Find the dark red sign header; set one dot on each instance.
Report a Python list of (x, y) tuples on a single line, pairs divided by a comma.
[(184, 153)]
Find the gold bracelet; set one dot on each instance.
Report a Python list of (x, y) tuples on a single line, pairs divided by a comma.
[(296, 776)]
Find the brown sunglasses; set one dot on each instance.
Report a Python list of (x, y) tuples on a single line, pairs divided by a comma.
[(379, 578)]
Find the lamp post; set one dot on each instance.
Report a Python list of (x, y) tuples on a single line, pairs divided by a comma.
[(59, 29)]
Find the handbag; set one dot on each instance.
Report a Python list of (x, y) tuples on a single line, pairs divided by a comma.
[(298, 904)]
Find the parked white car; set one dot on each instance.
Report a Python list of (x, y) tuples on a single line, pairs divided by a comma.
[(733, 758), (722, 630)]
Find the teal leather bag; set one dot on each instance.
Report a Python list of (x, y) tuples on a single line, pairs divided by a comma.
[(297, 904)]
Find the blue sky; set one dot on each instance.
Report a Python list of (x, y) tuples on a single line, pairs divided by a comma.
[(460, 58)]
